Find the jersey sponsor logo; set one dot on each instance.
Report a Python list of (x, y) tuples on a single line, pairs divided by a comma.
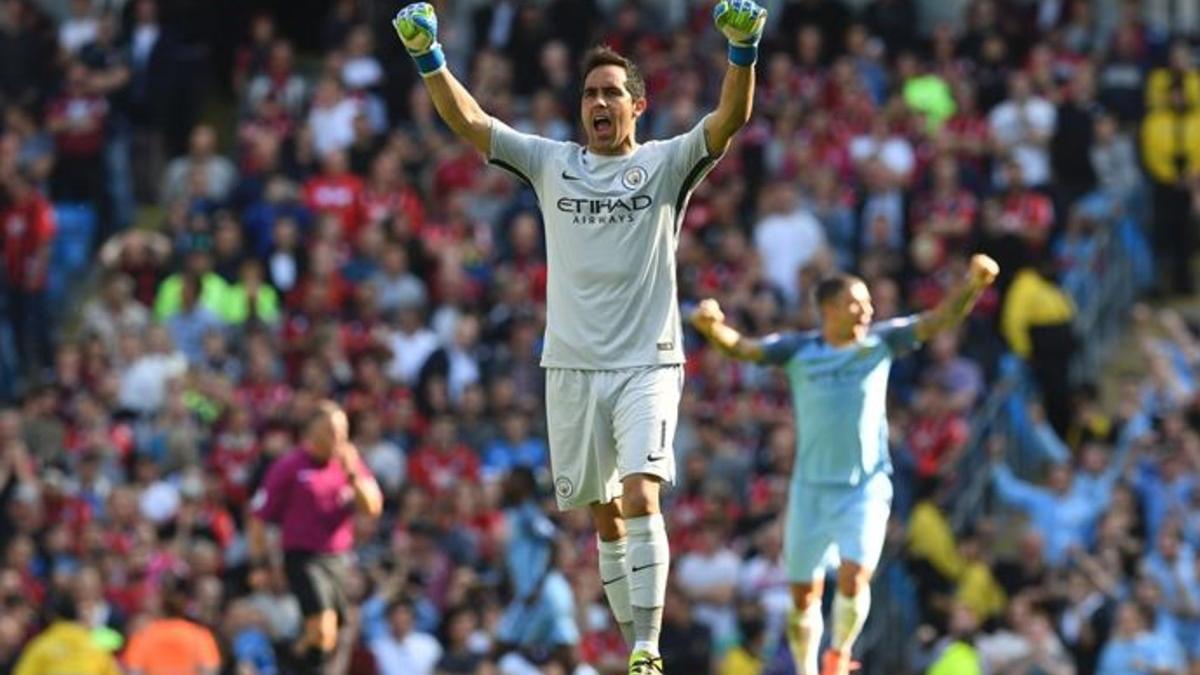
[(633, 178), (606, 211)]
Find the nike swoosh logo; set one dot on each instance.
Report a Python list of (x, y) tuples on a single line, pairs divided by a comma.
[(611, 581), (655, 458), (567, 176), (645, 567)]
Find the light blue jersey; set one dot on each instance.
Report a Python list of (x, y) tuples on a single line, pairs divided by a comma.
[(841, 493), (530, 544), (839, 395), (542, 612)]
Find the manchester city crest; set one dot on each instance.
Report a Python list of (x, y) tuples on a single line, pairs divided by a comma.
[(633, 178)]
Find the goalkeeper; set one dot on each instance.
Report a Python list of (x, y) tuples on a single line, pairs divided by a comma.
[(614, 339)]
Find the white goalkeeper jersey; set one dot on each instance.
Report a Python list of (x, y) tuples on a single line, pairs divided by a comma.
[(612, 227)]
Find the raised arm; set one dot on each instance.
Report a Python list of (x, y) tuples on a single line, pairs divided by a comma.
[(961, 300), (709, 320), (416, 25), (742, 23)]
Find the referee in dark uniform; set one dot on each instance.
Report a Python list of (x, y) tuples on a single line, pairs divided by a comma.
[(312, 494)]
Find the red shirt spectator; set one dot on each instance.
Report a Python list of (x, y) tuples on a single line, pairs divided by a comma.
[(1024, 212), (943, 219), (443, 461), (936, 435), (78, 118), (338, 192), (387, 194), (235, 455), (27, 227)]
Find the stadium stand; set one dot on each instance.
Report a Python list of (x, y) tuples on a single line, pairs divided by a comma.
[(216, 214)]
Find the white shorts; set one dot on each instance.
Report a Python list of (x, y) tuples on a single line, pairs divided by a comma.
[(605, 425)]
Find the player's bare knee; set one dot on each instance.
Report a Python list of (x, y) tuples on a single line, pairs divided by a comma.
[(806, 595), (853, 578), (640, 496), (610, 526)]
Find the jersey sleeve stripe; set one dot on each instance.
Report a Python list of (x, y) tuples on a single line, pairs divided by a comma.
[(511, 169), (689, 184)]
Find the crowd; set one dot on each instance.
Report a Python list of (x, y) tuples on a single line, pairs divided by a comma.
[(327, 237)]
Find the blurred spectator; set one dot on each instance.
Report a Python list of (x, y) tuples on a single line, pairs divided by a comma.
[(708, 578), (332, 117), (1133, 648), (1171, 152), (1036, 321), (1022, 127), (29, 229), (402, 649), (788, 239), (153, 52), (218, 172), (172, 643), (80, 27), (65, 646)]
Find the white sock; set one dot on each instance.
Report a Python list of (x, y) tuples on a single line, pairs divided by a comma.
[(614, 574), (649, 563), (849, 615), (804, 637)]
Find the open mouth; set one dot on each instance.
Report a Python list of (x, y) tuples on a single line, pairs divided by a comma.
[(601, 123)]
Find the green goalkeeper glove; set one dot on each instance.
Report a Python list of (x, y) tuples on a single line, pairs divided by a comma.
[(416, 25), (741, 21)]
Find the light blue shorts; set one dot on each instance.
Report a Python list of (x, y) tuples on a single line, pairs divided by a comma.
[(828, 524), (546, 621)]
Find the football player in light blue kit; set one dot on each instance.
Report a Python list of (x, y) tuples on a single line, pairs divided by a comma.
[(841, 491)]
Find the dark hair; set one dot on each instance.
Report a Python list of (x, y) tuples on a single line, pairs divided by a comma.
[(603, 55), (62, 608), (830, 287), (176, 591)]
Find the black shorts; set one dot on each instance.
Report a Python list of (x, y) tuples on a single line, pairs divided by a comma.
[(316, 579)]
